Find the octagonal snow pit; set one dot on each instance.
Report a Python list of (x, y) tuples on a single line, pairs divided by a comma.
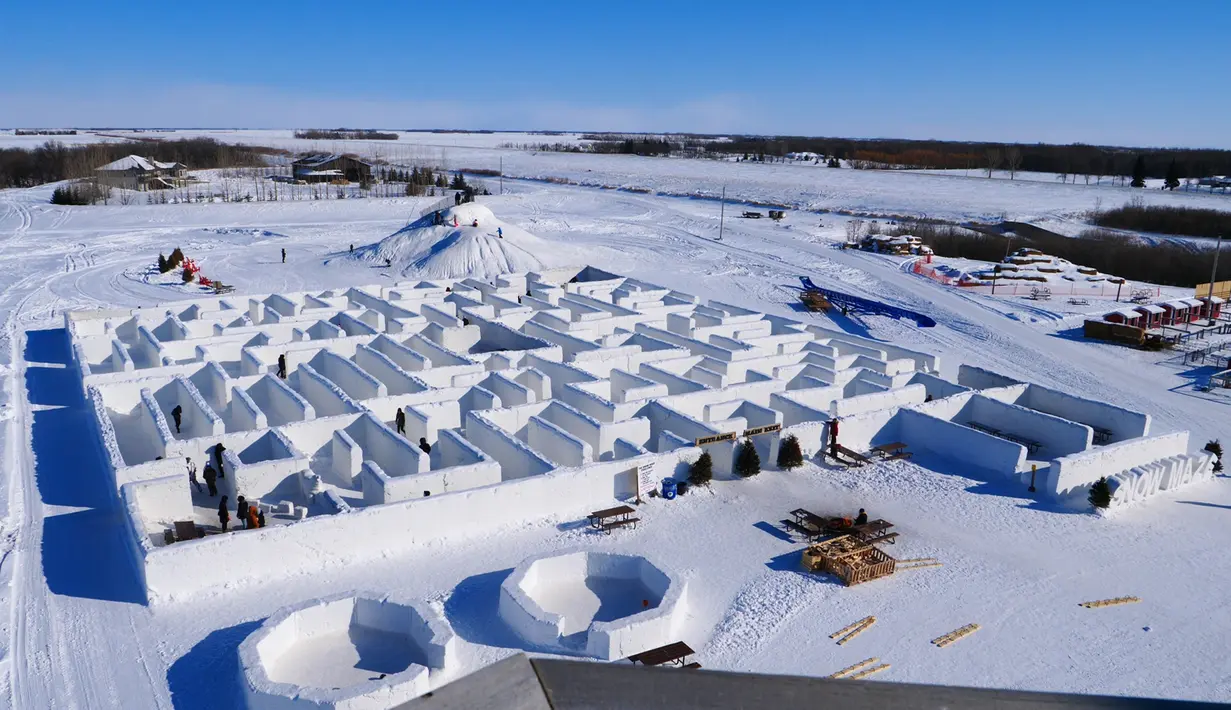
[(346, 652), (602, 604)]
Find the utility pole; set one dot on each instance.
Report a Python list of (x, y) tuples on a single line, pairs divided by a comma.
[(722, 211), (1214, 274)]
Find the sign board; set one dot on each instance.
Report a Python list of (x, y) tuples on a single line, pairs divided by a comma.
[(1222, 289), (729, 436), (763, 430)]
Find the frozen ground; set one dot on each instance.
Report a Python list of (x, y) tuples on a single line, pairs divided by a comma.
[(79, 635)]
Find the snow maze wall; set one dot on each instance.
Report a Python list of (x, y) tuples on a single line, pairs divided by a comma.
[(539, 395)]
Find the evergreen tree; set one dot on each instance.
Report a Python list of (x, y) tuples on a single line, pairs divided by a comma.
[(747, 460), (1100, 493), (1172, 180), (1215, 447), (459, 182), (789, 454), (440, 181), (702, 470), (1139, 172), (833, 163), (162, 264), (415, 176), (176, 258)]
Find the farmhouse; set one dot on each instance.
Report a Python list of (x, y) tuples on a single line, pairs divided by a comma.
[(134, 172), (329, 167)]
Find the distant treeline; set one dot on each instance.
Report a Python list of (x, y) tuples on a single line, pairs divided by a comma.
[(45, 132), (1168, 263), (345, 134), (54, 161), (1189, 221), (1076, 159), (617, 143)]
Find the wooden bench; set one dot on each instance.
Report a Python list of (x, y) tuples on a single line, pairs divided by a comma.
[(1079, 301), (671, 653), (599, 517), (889, 450), (608, 527), (899, 455), (803, 529), (985, 429), (887, 537), (1031, 445), (1101, 436), (186, 530)]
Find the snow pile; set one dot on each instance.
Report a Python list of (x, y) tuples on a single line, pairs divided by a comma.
[(427, 250), (1033, 266)]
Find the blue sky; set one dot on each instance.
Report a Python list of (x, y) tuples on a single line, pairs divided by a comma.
[(1094, 71)]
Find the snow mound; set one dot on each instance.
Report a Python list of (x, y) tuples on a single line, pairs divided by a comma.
[(426, 250)]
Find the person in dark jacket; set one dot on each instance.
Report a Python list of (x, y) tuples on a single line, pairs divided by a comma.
[(400, 419), (283, 256), (224, 516), (260, 518), (426, 447), (862, 518), (211, 480), (282, 367), (241, 511), (218, 449), (177, 414)]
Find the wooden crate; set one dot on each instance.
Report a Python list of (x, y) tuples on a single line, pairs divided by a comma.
[(849, 559)]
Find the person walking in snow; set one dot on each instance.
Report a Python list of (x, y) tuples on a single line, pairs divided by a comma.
[(475, 223), (454, 220), (352, 248), (192, 474), (218, 449), (260, 518), (500, 233), (211, 480), (400, 420), (426, 447), (282, 367), (177, 414), (224, 516), (283, 256), (241, 511)]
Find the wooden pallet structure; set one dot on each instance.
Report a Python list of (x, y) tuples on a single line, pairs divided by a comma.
[(918, 563), (1109, 602), (849, 559), (866, 672), (849, 632), (955, 635)]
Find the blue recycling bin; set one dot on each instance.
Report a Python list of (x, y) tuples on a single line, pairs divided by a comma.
[(668, 488)]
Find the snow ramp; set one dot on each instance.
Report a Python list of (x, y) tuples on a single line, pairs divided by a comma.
[(864, 305)]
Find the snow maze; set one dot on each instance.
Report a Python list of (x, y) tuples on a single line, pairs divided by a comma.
[(351, 652), (604, 605), (540, 395)]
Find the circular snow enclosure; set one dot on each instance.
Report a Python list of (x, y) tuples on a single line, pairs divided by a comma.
[(602, 604), (347, 652)]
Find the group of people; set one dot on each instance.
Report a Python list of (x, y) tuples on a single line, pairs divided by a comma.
[(400, 420), (250, 516), (210, 474)]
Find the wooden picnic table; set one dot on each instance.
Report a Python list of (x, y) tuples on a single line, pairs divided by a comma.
[(1102, 436), (602, 519), (896, 447), (671, 653)]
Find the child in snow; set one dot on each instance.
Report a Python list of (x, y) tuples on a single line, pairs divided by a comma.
[(192, 473)]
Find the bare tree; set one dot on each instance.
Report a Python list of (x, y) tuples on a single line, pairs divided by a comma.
[(854, 231), (1013, 158), (993, 160)]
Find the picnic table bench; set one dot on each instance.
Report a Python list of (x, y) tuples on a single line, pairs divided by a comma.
[(1102, 436), (1031, 445), (873, 531), (1079, 301), (896, 447), (675, 653), (612, 518), (856, 458)]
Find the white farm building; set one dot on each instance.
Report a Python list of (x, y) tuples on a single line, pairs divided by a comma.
[(134, 172)]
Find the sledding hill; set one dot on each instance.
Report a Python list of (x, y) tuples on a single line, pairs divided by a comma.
[(445, 251)]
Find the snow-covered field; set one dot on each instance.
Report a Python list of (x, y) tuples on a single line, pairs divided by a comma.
[(79, 636)]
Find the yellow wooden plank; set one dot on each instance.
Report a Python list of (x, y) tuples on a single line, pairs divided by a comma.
[(868, 672), (857, 666)]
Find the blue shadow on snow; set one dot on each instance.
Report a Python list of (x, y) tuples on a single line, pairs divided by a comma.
[(207, 677)]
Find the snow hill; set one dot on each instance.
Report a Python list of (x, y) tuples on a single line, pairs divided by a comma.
[(444, 251), (1032, 265)]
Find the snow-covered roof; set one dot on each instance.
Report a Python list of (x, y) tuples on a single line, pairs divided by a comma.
[(167, 166), (334, 173), (1126, 312), (311, 160), (130, 162), (1192, 302), (1151, 308), (1177, 305), (1213, 299)]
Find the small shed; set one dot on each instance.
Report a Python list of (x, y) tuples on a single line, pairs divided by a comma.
[(1153, 315), (328, 168), (1125, 316), (1176, 312), (1196, 308), (1212, 307)]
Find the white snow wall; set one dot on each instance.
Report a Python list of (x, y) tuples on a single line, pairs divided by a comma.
[(317, 544)]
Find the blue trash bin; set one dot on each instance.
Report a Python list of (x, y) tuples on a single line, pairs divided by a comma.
[(668, 488)]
